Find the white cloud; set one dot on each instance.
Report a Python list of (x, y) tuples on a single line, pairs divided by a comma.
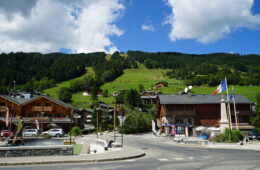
[(84, 26), (148, 27), (208, 21)]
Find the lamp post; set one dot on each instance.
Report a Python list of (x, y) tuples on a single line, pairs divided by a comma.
[(122, 125), (71, 124), (97, 110), (115, 120)]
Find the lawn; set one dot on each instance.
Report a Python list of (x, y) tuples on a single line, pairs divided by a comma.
[(53, 91), (77, 149), (133, 77), (147, 77)]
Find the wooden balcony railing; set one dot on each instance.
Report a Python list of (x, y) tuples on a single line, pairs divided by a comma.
[(40, 108), (47, 108), (40, 119), (182, 113), (37, 108), (2, 108)]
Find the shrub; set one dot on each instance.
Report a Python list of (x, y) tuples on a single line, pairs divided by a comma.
[(229, 136), (75, 131)]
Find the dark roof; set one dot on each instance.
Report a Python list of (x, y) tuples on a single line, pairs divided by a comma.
[(199, 99), (149, 97), (16, 100), (60, 102), (22, 101)]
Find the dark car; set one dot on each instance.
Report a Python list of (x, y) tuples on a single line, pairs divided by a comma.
[(254, 135), (6, 133)]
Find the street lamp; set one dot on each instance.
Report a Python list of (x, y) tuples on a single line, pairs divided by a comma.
[(71, 124), (122, 124), (97, 110)]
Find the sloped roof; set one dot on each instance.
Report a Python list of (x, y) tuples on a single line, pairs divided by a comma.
[(18, 101), (149, 97), (24, 101), (199, 99)]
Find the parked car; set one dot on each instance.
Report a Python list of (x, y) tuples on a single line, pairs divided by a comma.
[(31, 132), (54, 132), (254, 135), (6, 133)]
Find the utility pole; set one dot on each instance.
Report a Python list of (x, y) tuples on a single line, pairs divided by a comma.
[(115, 120), (122, 125), (71, 124)]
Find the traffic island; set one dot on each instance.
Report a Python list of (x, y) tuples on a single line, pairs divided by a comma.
[(22, 151)]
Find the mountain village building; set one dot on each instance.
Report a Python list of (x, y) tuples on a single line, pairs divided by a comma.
[(46, 110), (186, 112)]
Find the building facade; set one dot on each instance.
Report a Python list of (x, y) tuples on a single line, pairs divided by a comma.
[(46, 110), (202, 110)]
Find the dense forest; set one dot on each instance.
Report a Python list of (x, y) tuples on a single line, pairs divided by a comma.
[(206, 69), (24, 67), (36, 71)]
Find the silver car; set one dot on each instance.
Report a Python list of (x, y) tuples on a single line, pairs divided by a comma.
[(31, 132), (54, 132)]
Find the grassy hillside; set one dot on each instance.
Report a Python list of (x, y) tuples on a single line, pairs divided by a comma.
[(148, 77), (53, 91)]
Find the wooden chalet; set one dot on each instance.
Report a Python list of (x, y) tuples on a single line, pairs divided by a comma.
[(159, 85), (202, 110), (45, 109)]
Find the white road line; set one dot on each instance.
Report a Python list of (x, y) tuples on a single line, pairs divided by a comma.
[(207, 157), (163, 159), (190, 157), (177, 159), (130, 160)]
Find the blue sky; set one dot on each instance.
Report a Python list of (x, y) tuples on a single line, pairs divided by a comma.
[(76, 26), (243, 41)]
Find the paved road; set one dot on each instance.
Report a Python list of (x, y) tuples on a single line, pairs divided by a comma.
[(161, 154)]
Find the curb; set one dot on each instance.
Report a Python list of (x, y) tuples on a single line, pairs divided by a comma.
[(80, 160), (208, 147)]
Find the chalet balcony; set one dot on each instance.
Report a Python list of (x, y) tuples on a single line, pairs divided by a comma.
[(2, 108), (40, 119), (42, 109), (182, 113), (47, 108)]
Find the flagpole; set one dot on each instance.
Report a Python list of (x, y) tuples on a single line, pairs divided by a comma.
[(230, 121), (234, 104)]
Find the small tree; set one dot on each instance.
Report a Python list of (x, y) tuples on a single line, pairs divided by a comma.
[(64, 94), (256, 119), (105, 93), (141, 88), (75, 131)]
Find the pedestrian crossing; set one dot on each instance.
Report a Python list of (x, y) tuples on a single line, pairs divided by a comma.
[(182, 158)]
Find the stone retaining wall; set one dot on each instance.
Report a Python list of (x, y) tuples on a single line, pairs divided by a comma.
[(36, 151)]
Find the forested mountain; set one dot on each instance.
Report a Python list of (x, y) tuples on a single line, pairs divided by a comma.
[(23, 67), (204, 69), (36, 71)]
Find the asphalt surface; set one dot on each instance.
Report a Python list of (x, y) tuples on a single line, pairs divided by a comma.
[(162, 154)]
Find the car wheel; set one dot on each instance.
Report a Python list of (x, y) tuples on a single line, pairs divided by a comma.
[(58, 135)]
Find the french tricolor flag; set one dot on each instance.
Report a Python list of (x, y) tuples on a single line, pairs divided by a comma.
[(222, 87)]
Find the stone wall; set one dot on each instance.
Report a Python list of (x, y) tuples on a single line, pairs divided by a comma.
[(36, 151)]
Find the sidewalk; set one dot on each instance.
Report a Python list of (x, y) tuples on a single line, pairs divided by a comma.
[(113, 155), (193, 142), (251, 145)]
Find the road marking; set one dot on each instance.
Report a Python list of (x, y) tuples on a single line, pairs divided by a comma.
[(130, 160), (190, 157), (177, 159), (207, 157), (163, 159)]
